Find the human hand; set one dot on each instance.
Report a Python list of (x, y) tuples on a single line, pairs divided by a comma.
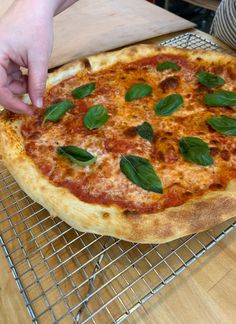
[(26, 37)]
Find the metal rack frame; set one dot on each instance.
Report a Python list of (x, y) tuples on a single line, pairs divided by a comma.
[(66, 276)]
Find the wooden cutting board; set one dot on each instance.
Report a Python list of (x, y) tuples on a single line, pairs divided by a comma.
[(91, 26)]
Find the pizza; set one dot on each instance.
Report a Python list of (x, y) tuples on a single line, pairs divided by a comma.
[(138, 143)]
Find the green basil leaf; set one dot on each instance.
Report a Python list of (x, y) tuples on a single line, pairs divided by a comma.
[(55, 112), (140, 172), (84, 90), (221, 98), (168, 65), (195, 150), (168, 105), (95, 117), (76, 155), (209, 80), (223, 124), (137, 91), (145, 131)]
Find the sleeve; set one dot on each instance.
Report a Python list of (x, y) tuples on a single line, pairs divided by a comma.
[(224, 23)]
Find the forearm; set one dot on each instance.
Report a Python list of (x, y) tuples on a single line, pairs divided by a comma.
[(54, 6), (48, 7)]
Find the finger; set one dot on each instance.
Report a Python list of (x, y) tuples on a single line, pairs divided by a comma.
[(14, 104), (8, 100), (38, 70), (15, 74), (18, 87), (12, 67), (18, 76), (17, 83)]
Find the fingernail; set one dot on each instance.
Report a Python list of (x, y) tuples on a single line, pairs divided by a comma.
[(39, 103)]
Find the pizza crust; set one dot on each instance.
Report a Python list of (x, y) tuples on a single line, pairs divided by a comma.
[(194, 216)]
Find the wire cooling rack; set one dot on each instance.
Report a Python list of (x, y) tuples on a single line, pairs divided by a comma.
[(65, 276)]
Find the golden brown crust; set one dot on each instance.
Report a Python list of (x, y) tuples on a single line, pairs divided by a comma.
[(130, 54), (194, 216)]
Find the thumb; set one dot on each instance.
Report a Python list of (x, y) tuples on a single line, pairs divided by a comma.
[(38, 70)]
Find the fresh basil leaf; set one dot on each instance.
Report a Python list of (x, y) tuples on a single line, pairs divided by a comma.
[(223, 124), (168, 65), (76, 155), (145, 131), (84, 90), (195, 150), (55, 112), (140, 172), (168, 105), (209, 80), (137, 91), (221, 98), (95, 117)]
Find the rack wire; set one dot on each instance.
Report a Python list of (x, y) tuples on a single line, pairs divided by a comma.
[(66, 276)]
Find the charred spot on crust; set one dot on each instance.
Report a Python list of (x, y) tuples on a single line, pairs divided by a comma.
[(130, 213), (87, 63), (171, 82), (105, 215), (216, 186)]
